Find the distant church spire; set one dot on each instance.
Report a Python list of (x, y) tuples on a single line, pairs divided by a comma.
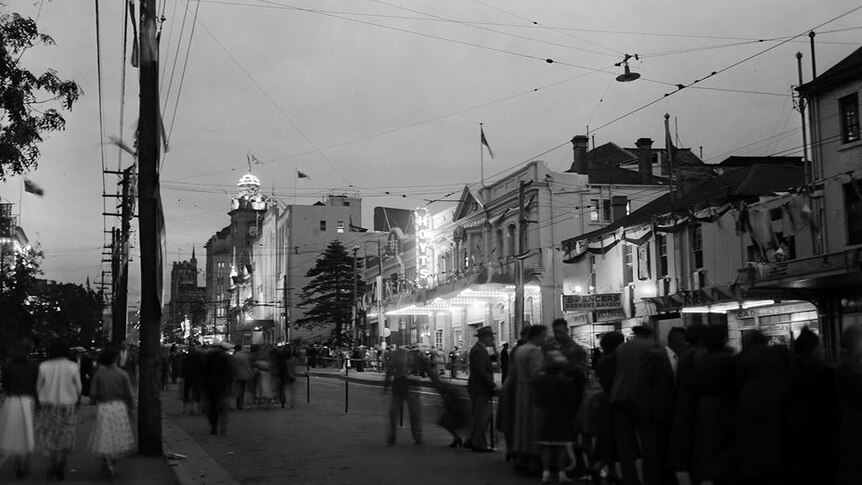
[(193, 253)]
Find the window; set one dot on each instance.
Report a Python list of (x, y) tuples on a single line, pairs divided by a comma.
[(606, 210), (848, 107), (661, 255), (628, 264), (499, 247), (323, 225), (346, 204), (593, 277), (853, 211), (511, 236), (594, 210), (438, 339), (339, 227), (697, 246)]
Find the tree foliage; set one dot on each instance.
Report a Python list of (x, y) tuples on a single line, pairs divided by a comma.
[(328, 297), (42, 310), (27, 99)]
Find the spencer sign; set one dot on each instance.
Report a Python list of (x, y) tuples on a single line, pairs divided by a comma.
[(424, 259), (593, 302)]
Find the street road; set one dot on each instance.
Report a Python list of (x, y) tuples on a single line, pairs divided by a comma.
[(318, 443)]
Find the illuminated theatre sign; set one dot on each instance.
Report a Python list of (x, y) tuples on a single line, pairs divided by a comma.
[(424, 259)]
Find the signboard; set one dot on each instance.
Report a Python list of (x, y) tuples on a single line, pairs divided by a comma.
[(611, 315), (598, 301), (424, 258)]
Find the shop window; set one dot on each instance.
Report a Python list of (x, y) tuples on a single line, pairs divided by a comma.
[(853, 211), (848, 107), (661, 253), (606, 210), (696, 234), (628, 264)]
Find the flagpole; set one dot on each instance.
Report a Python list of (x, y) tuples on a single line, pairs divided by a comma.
[(481, 158), (295, 179)]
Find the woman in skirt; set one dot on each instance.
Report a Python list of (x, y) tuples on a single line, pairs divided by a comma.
[(59, 391), (112, 391), (17, 439)]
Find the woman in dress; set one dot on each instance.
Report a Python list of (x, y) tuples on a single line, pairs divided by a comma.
[(112, 391), (17, 439), (59, 391)]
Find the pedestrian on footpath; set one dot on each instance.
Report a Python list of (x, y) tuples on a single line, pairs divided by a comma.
[(111, 389), (526, 367), (504, 361), (217, 385), (481, 386), (397, 373), (17, 438), (241, 368), (192, 376), (59, 391), (287, 377), (558, 396)]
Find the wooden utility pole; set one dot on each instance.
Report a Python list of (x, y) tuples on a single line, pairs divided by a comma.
[(150, 231)]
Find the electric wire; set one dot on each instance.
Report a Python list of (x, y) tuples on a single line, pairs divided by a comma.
[(123, 85), (183, 75), (269, 98)]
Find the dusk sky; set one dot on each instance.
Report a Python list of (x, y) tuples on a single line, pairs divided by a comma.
[(386, 96)]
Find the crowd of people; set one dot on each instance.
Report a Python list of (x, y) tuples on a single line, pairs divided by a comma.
[(690, 411), (220, 377), (42, 400)]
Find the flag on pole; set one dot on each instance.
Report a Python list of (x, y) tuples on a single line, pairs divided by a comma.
[(485, 141), (302, 175), (30, 186)]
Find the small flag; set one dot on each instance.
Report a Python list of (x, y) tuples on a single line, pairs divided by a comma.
[(30, 186), (254, 159), (302, 175), (485, 141)]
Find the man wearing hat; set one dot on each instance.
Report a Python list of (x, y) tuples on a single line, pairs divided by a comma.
[(481, 387)]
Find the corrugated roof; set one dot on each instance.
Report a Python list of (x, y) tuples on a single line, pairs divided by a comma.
[(848, 69), (734, 185)]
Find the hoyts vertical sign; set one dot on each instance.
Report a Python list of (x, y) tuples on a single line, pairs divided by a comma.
[(424, 259)]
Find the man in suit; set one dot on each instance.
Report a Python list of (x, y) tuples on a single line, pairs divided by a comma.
[(481, 387), (504, 361), (656, 398), (624, 396)]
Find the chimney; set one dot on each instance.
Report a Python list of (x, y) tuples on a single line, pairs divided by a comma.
[(579, 157), (644, 159)]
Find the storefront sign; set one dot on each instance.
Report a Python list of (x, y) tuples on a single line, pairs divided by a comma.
[(424, 258), (575, 303), (611, 315)]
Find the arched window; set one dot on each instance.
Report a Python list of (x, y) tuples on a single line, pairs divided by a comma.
[(499, 244), (511, 240)]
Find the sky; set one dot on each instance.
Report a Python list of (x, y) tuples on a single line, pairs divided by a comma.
[(383, 98)]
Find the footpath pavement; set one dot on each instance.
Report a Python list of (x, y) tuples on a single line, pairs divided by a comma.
[(84, 468)]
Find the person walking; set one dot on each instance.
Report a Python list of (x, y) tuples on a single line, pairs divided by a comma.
[(623, 397), (176, 363), (263, 388), (397, 377), (557, 398), (59, 392), (528, 363), (287, 377), (605, 453), (241, 368), (111, 389), (656, 397), (504, 361), (192, 376), (813, 426), (480, 387), (217, 384), (17, 438)]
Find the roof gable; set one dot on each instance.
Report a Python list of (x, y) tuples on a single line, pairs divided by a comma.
[(468, 204), (848, 69)]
